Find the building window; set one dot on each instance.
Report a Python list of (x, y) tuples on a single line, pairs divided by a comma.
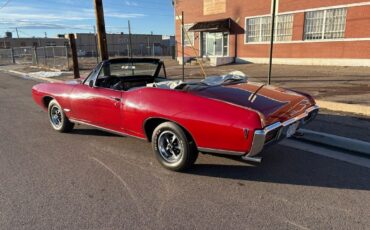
[(189, 38), (259, 28), (23, 44), (284, 27), (325, 24)]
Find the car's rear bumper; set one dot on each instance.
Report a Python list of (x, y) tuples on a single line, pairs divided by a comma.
[(277, 131)]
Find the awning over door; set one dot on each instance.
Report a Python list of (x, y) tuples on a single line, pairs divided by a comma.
[(223, 25)]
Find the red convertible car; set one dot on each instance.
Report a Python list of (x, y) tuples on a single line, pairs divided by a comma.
[(221, 114)]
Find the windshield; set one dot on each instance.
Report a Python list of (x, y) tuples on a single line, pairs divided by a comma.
[(129, 69)]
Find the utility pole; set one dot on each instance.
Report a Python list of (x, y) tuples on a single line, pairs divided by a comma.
[(132, 61), (183, 45), (152, 44), (96, 46), (148, 46), (16, 29), (102, 35), (272, 41), (130, 37), (72, 42)]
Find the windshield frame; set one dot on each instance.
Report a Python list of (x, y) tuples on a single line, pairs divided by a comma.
[(132, 61)]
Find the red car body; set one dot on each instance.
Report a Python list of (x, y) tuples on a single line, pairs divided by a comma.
[(220, 119)]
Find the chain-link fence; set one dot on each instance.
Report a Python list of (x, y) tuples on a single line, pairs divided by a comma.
[(23, 55), (88, 55), (53, 56), (59, 57), (6, 56)]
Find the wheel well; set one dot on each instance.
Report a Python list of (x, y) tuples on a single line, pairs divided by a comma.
[(46, 100), (152, 123)]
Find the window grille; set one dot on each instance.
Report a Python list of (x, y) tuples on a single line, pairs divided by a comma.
[(325, 24), (259, 28)]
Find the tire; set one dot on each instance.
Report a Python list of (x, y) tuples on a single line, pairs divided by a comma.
[(58, 119), (173, 148)]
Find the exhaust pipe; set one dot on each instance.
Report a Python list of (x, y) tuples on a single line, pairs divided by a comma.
[(253, 159)]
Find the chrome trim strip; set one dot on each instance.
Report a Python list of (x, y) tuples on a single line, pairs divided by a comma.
[(106, 130), (260, 135), (220, 151)]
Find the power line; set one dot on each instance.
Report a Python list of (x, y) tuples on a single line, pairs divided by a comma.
[(5, 4)]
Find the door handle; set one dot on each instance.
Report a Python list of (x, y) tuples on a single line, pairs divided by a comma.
[(116, 98)]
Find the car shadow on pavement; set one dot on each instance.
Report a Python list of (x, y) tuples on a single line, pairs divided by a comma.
[(288, 166)]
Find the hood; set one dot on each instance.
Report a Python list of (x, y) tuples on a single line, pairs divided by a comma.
[(274, 103)]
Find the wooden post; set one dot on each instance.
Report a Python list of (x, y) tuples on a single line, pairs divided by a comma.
[(45, 56), (72, 43), (102, 35), (67, 56), (12, 54), (35, 55), (53, 57)]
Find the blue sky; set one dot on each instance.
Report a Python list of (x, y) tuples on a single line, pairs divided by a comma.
[(34, 17)]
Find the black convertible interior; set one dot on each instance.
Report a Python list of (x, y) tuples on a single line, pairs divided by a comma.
[(130, 73), (127, 73), (127, 83)]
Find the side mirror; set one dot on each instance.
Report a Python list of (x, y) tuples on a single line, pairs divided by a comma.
[(91, 83)]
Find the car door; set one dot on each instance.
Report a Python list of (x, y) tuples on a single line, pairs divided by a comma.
[(96, 105)]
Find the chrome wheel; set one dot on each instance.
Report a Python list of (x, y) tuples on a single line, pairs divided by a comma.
[(169, 147), (56, 117)]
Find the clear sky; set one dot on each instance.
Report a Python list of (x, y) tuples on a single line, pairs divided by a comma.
[(35, 17)]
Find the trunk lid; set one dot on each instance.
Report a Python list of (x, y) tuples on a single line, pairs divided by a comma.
[(274, 103)]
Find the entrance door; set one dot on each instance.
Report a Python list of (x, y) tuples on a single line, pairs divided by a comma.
[(218, 44), (210, 44), (215, 44)]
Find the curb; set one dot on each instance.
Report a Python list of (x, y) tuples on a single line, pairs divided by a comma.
[(336, 141), (343, 107), (38, 78)]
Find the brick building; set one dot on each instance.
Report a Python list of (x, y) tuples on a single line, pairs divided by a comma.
[(308, 32)]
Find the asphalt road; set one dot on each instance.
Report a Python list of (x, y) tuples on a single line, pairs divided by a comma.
[(89, 179)]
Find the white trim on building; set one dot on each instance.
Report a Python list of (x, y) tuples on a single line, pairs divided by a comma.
[(307, 61)]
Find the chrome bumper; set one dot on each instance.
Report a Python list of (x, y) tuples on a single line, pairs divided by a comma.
[(259, 138)]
